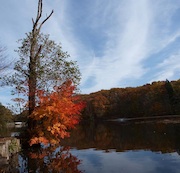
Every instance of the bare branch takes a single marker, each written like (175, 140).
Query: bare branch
(39, 15)
(33, 21)
(39, 51)
(46, 18)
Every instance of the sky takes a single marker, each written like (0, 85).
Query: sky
(116, 43)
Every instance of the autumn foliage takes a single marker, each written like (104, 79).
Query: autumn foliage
(156, 99)
(56, 114)
(56, 160)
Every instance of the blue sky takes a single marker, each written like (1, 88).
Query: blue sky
(117, 43)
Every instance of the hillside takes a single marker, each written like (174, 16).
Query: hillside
(158, 98)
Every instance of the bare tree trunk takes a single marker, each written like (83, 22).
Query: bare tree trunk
(35, 51)
(32, 86)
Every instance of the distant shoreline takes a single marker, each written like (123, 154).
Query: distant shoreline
(147, 118)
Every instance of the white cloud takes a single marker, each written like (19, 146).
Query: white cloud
(111, 40)
(168, 68)
(130, 44)
(130, 30)
(126, 45)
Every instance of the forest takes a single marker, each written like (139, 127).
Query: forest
(5, 115)
(156, 99)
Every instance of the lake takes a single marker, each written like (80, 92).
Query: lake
(109, 147)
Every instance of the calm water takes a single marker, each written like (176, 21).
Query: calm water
(110, 147)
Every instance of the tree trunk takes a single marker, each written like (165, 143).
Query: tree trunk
(32, 78)
(32, 87)
(35, 50)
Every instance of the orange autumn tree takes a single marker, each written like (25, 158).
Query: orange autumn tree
(56, 114)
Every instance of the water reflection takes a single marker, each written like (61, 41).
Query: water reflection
(11, 165)
(161, 137)
(128, 147)
(128, 161)
(110, 147)
(49, 159)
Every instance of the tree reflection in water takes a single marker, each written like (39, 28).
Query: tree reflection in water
(50, 159)
(154, 136)
(133, 146)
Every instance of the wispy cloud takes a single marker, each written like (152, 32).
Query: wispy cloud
(116, 43)
(129, 33)
(168, 68)
(125, 45)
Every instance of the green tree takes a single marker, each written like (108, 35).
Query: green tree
(171, 95)
(42, 64)
(169, 89)
(5, 115)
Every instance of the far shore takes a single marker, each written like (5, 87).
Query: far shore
(153, 118)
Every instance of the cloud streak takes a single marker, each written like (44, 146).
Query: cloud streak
(168, 68)
(116, 43)
(130, 34)
(125, 45)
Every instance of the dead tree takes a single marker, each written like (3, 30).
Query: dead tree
(35, 51)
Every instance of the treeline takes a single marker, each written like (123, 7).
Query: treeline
(158, 98)
(5, 115)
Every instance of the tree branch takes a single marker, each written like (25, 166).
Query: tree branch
(39, 15)
(47, 18)
(39, 51)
